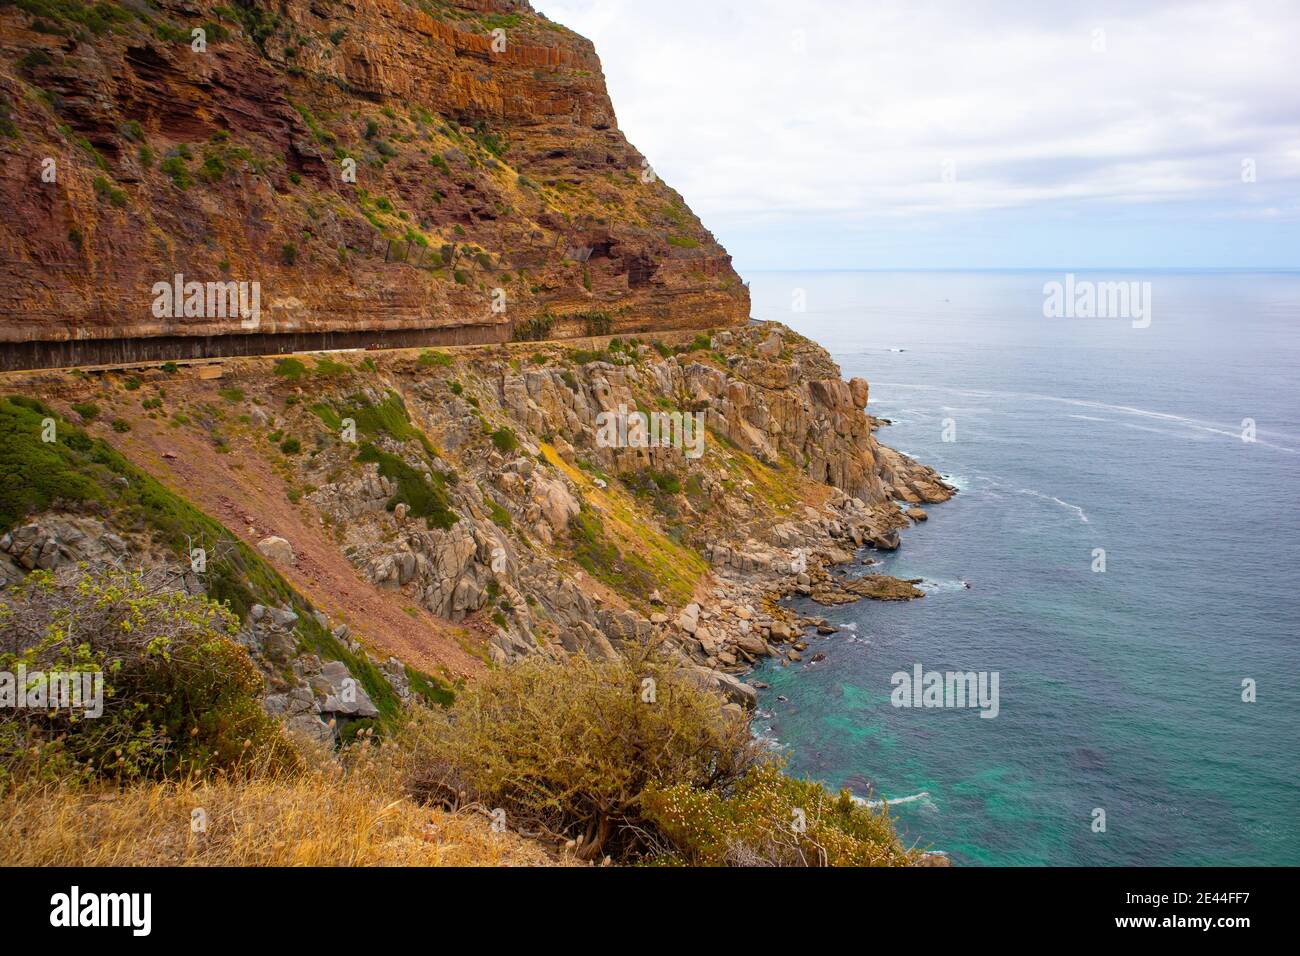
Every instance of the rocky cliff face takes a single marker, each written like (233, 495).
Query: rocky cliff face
(385, 171)
(452, 509)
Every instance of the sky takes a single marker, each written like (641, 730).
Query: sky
(874, 134)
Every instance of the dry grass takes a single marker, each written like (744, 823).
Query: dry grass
(325, 817)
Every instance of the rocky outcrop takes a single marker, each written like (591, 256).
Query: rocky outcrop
(479, 488)
(377, 168)
(58, 541)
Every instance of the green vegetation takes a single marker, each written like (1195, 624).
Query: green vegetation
(433, 691)
(500, 517)
(318, 132)
(597, 323)
(327, 367)
(179, 694)
(435, 359)
(290, 368)
(600, 557)
(749, 824)
(77, 472)
(505, 440)
(105, 189)
(534, 329)
(388, 417)
(72, 16)
(176, 170)
(632, 759)
(423, 498)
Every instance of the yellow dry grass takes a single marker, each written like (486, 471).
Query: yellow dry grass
(325, 817)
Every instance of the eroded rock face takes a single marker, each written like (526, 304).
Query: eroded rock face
(58, 541)
(485, 171)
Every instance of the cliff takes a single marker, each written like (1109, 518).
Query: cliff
(449, 509)
(473, 529)
(387, 173)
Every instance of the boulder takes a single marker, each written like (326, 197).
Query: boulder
(276, 549)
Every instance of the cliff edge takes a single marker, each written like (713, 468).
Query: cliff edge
(374, 172)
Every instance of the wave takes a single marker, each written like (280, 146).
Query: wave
(1064, 504)
(923, 796)
(1158, 431)
(1197, 424)
(932, 584)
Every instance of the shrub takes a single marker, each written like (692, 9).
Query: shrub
(500, 517)
(290, 368)
(121, 425)
(534, 329)
(87, 410)
(434, 359)
(179, 694)
(327, 367)
(597, 323)
(504, 440)
(573, 748)
(291, 446)
(423, 497)
(769, 819)
(105, 189)
(174, 167)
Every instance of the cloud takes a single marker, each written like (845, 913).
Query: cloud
(842, 114)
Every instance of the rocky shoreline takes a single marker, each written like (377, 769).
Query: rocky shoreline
(747, 604)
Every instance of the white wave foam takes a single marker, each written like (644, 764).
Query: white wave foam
(932, 584)
(1192, 423)
(1064, 504)
(923, 796)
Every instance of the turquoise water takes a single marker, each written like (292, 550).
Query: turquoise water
(1118, 690)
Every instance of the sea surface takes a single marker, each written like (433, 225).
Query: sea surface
(1119, 690)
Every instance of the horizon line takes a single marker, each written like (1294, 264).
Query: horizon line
(1242, 269)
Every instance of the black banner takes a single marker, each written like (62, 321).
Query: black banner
(167, 906)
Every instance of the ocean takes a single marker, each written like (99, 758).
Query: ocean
(1120, 690)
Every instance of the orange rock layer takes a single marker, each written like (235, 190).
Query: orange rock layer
(374, 166)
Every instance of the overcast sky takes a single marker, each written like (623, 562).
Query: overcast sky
(882, 134)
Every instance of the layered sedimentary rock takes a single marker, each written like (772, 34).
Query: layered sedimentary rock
(384, 172)
(478, 488)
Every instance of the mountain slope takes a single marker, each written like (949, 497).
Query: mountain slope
(494, 196)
